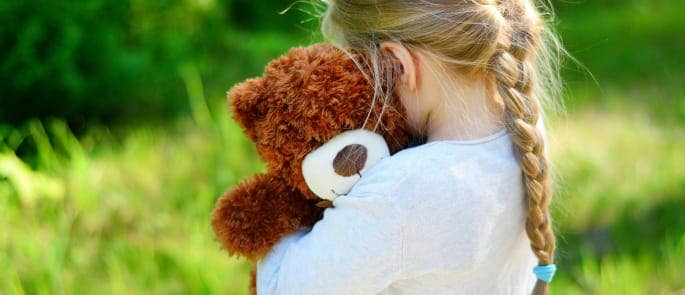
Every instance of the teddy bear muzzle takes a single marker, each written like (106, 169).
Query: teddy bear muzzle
(332, 169)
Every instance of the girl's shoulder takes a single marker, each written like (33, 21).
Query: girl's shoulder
(441, 165)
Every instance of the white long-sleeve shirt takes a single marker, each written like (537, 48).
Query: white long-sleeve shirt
(446, 217)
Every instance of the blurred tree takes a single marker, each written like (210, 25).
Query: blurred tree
(107, 59)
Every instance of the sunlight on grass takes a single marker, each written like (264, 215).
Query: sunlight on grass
(120, 215)
(648, 273)
(614, 160)
(130, 214)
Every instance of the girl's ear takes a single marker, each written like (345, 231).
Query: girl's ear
(247, 102)
(408, 62)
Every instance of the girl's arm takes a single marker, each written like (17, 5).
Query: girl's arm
(355, 249)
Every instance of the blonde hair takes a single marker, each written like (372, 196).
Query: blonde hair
(507, 40)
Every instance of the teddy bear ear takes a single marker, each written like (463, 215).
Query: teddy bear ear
(247, 101)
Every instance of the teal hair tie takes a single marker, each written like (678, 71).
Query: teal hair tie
(545, 272)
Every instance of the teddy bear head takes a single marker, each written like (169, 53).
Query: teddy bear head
(305, 99)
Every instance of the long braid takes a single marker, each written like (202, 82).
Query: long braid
(512, 66)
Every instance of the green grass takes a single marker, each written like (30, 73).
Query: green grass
(130, 213)
(620, 202)
(119, 215)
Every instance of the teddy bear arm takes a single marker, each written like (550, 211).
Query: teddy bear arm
(254, 215)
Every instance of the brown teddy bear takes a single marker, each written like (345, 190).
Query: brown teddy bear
(316, 125)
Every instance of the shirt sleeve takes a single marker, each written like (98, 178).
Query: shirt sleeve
(356, 248)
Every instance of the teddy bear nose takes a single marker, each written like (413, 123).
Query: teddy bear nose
(350, 160)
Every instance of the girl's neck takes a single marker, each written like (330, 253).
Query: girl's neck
(473, 114)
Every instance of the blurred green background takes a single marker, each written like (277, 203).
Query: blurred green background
(115, 142)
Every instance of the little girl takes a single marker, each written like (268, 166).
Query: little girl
(461, 213)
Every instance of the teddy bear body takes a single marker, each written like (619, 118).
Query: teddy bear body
(304, 99)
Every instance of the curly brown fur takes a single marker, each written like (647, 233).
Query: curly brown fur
(252, 216)
(252, 290)
(305, 98)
